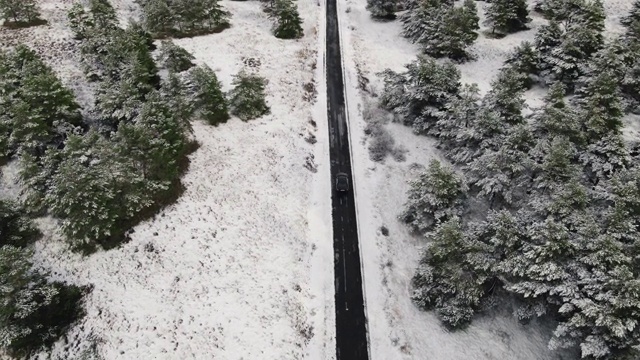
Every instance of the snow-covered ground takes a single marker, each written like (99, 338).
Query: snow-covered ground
(240, 267)
(397, 329)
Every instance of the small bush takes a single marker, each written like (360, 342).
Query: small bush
(247, 99)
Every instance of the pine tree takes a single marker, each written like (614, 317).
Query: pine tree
(288, 23)
(507, 97)
(633, 16)
(174, 58)
(211, 102)
(443, 280)
(33, 312)
(507, 16)
(41, 110)
(19, 11)
(382, 9)
(94, 191)
(558, 118)
(159, 18)
(417, 94)
(247, 98)
(433, 197)
(15, 229)
(524, 60)
(80, 21)
(442, 29)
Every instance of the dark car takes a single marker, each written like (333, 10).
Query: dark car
(342, 182)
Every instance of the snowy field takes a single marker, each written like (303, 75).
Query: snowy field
(240, 267)
(397, 329)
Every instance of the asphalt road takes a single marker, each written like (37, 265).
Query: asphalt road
(351, 328)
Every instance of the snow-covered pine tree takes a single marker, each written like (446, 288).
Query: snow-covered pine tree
(174, 58)
(154, 143)
(41, 110)
(382, 9)
(94, 191)
(159, 18)
(80, 21)
(211, 103)
(507, 16)
(247, 98)
(444, 281)
(524, 60)
(103, 14)
(502, 176)
(34, 312)
(442, 29)
(601, 105)
(459, 114)
(507, 97)
(434, 197)
(633, 16)
(19, 11)
(176, 95)
(556, 117)
(15, 229)
(418, 94)
(288, 23)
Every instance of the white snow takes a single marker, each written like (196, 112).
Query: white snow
(397, 329)
(240, 267)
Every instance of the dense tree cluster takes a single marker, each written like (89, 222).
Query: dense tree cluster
(545, 207)
(34, 312)
(442, 29)
(19, 12)
(183, 18)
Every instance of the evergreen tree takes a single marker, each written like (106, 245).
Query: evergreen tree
(33, 312)
(633, 17)
(15, 229)
(382, 9)
(288, 23)
(557, 117)
(80, 21)
(174, 58)
(442, 29)
(507, 16)
(19, 11)
(433, 197)
(94, 190)
(524, 60)
(506, 97)
(443, 281)
(418, 94)
(159, 18)
(247, 98)
(211, 102)
(38, 110)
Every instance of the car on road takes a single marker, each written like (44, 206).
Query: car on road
(342, 182)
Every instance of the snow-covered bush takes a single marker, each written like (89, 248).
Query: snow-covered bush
(247, 98)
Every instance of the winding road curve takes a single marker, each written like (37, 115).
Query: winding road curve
(351, 323)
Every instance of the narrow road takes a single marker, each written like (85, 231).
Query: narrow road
(351, 328)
